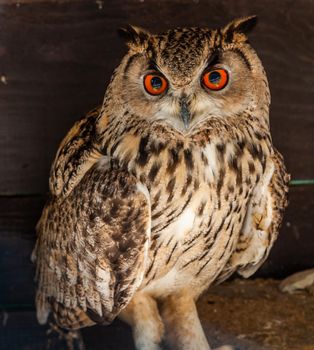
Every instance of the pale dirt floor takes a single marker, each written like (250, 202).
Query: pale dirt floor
(255, 315)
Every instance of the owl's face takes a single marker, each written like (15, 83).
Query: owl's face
(189, 75)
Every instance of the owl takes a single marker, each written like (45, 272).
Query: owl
(173, 184)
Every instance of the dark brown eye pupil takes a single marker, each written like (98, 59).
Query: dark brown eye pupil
(214, 77)
(156, 83)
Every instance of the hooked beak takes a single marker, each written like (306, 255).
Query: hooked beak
(185, 112)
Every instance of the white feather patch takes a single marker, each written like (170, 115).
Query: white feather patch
(211, 169)
(180, 228)
(161, 285)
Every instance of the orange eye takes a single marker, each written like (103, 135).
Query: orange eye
(215, 79)
(155, 84)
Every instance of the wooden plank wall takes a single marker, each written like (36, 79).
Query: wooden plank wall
(56, 58)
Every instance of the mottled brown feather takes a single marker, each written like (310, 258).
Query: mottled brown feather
(97, 238)
(209, 191)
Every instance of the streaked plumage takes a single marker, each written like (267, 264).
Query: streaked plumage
(145, 209)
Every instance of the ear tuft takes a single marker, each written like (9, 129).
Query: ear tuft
(245, 25)
(134, 37)
(239, 28)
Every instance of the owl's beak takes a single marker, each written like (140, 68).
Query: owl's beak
(185, 112)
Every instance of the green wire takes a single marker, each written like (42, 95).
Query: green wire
(300, 182)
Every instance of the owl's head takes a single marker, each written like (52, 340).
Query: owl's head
(186, 76)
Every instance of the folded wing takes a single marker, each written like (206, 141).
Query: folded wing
(262, 221)
(91, 248)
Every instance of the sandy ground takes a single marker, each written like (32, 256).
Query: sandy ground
(255, 315)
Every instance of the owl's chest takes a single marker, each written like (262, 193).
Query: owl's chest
(192, 248)
(197, 214)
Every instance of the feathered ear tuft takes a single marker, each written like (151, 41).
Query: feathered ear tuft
(134, 37)
(238, 29)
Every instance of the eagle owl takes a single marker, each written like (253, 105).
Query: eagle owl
(172, 185)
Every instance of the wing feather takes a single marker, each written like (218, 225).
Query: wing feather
(77, 153)
(262, 222)
(92, 247)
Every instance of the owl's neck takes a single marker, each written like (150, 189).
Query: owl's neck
(141, 147)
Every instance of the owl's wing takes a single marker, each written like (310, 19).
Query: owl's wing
(92, 247)
(77, 153)
(262, 221)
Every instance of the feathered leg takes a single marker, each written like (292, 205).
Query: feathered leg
(143, 316)
(183, 328)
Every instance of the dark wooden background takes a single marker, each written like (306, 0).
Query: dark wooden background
(56, 58)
